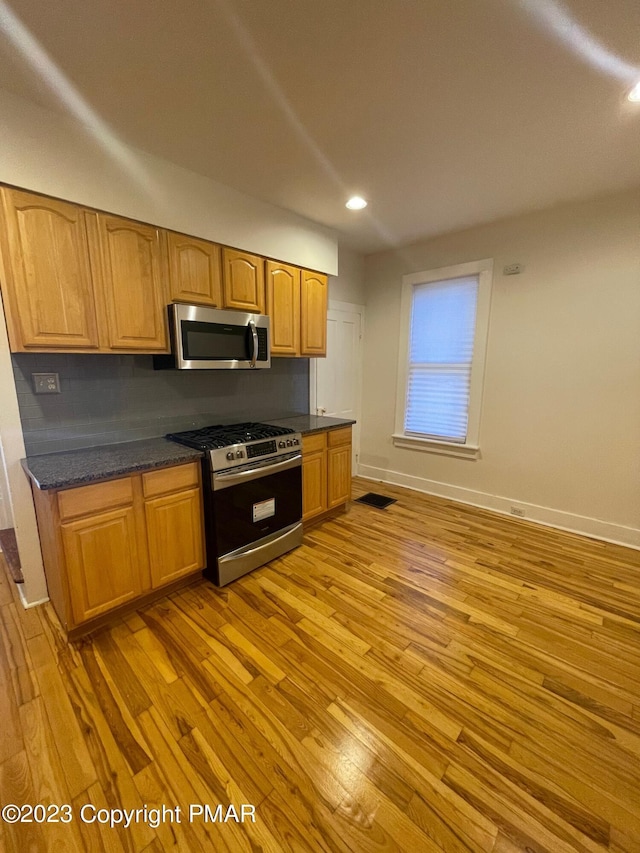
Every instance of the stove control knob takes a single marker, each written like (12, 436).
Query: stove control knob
(281, 444)
(296, 441)
(230, 455)
(239, 454)
(289, 443)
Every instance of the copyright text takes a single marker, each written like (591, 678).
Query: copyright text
(151, 816)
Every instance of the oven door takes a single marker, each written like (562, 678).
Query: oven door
(256, 502)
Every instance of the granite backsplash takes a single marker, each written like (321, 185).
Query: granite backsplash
(107, 399)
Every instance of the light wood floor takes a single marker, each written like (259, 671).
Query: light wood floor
(427, 677)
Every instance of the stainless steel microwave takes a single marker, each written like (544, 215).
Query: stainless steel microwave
(212, 339)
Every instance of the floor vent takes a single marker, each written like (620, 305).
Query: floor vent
(10, 551)
(379, 501)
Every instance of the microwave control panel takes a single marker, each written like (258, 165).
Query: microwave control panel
(262, 344)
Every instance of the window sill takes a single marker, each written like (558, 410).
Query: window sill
(444, 448)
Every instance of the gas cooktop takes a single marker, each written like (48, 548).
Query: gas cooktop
(211, 437)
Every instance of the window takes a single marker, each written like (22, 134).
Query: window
(445, 322)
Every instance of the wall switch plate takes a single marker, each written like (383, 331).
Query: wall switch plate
(46, 383)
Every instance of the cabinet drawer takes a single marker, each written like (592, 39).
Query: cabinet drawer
(312, 443)
(86, 500)
(172, 479)
(337, 437)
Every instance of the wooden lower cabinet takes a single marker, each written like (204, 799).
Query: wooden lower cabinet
(107, 544)
(338, 475)
(102, 562)
(326, 471)
(314, 475)
(174, 535)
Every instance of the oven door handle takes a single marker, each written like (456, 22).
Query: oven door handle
(233, 478)
(254, 335)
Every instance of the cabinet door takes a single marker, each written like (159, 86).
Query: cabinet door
(47, 276)
(283, 307)
(102, 558)
(243, 281)
(194, 270)
(174, 535)
(129, 261)
(338, 475)
(313, 314)
(314, 484)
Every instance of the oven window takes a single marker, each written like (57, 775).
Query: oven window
(249, 511)
(214, 341)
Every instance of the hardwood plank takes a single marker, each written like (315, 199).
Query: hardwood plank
(61, 709)
(429, 677)
(94, 838)
(122, 729)
(17, 789)
(116, 784)
(49, 785)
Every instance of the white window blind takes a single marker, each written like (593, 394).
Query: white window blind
(441, 344)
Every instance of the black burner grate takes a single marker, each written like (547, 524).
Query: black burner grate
(208, 438)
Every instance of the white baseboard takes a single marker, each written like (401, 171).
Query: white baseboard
(28, 604)
(618, 534)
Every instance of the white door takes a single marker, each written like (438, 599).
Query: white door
(337, 379)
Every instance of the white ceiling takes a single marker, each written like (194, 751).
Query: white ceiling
(443, 113)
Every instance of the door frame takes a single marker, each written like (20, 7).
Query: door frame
(352, 308)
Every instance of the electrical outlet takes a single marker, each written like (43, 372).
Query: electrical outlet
(46, 383)
(515, 510)
(512, 269)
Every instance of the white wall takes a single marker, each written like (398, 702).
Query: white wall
(21, 510)
(40, 150)
(560, 431)
(348, 285)
(6, 518)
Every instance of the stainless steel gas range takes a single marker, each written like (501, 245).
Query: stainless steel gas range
(252, 481)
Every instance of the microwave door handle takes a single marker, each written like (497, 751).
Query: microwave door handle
(254, 335)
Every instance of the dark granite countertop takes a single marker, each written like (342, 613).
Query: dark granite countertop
(90, 464)
(79, 467)
(311, 423)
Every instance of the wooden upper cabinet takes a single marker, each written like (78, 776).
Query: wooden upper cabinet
(78, 280)
(243, 281)
(313, 314)
(46, 279)
(283, 307)
(194, 270)
(127, 262)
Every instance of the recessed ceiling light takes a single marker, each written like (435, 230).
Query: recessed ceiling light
(634, 94)
(356, 203)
